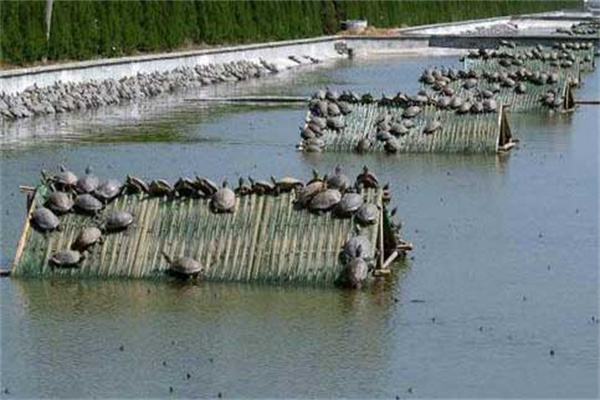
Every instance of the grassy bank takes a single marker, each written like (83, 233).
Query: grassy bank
(89, 29)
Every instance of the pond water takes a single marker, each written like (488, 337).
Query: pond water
(504, 270)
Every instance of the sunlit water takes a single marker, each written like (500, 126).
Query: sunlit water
(505, 268)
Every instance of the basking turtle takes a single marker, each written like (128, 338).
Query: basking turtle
(287, 184)
(408, 123)
(66, 259)
(108, 190)
(306, 132)
(470, 83)
(117, 221)
(160, 188)
(319, 122)
(443, 102)
(335, 123)
(312, 148)
(433, 126)
(339, 180)
(325, 200)
(398, 129)
(134, 185)
(87, 238)
(333, 110)
(367, 214)
(411, 112)
(490, 105)
(60, 202)
(355, 273)
(477, 107)
(206, 186)
(363, 145)
(344, 107)
(456, 102)
(223, 201)
(88, 204)
(358, 246)
(243, 189)
(520, 88)
(464, 108)
(367, 179)
(87, 183)
(65, 179)
(391, 146)
(185, 187)
(383, 136)
(44, 220)
(305, 195)
(183, 267)
(261, 187)
(349, 204)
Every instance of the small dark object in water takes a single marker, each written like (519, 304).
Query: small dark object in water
(170, 389)
(188, 375)
(551, 353)
(121, 347)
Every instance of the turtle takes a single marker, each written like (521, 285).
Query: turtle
(411, 112)
(87, 183)
(60, 202)
(367, 179)
(261, 187)
(88, 204)
(325, 200)
(456, 102)
(286, 184)
(391, 146)
(464, 108)
(349, 204)
(358, 246)
(65, 179)
(206, 186)
(344, 107)
(333, 110)
(135, 185)
(408, 123)
(223, 201)
(520, 88)
(433, 126)
(108, 190)
(243, 189)
(367, 214)
(87, 237)
(321, 123)
(182, 267)
(185, 187)
(306, 132)
(477, 107)
(383, 136)
(117, 221)
(470, 83)
(490, 105)
(44, 220)
(311, 148)
(339, 180)
(335, 123)
(355, 273)
(305, 195)
(443, 102)
(363, 145)
(160, 188)
(66, 259)
(398, 129)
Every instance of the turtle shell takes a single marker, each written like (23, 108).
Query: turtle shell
(411, 112)
(60, 202)
(66, 259)
(358, 246)
(325, 200)
(306, 194)
(86, 238)
(223, 200)
(355, 273)
(349, 204)
(108, 190)
(87, 184)
(44, 219)
(117, 221)
(88, 204)
(367, 214)
(184, 267)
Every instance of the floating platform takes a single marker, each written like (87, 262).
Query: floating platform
(470, 133)
(265, 239)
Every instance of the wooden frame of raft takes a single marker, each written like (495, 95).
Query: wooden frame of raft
(265, 240)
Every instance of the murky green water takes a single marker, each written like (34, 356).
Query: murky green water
(504, 271)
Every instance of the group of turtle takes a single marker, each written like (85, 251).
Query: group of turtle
(325, 112)
(85, 195)
(64, 97)
(581, 28)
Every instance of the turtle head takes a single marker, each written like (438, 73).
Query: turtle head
(365, 169)
(62, 168)
(315, 173)
(338, 169)
(225, 183)
(250, 180)
(273, 180)
(241, 181)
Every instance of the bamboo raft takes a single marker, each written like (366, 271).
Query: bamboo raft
(480, 133)
(264, 240)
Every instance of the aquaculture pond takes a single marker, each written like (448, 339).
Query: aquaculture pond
(499, 298)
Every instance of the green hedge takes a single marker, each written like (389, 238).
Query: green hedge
(91, 28)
